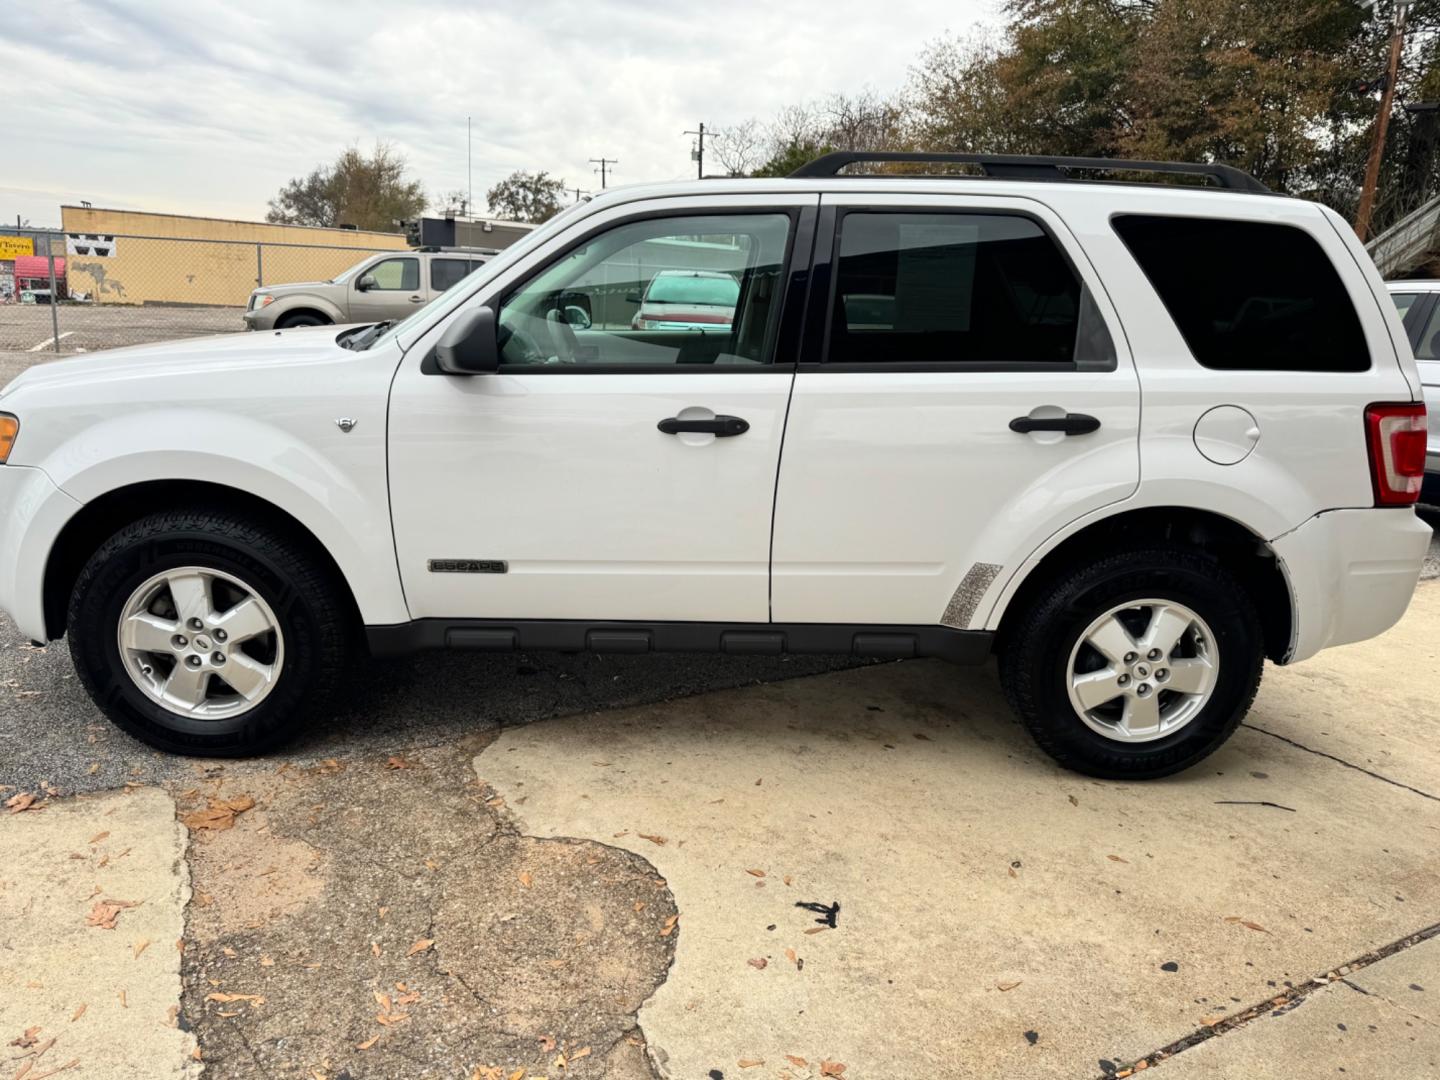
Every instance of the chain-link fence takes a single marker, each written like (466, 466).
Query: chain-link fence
(81, 293)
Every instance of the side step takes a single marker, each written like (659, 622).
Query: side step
(742, 639)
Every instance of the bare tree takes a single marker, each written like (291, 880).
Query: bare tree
(739, 148)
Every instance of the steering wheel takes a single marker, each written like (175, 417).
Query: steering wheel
(518, 347)
(561, 336)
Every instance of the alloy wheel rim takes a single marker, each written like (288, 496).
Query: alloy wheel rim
(1142, 670)
(200, 643)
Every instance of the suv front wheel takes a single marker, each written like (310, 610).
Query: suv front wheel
(1136, 666)
(200, 632)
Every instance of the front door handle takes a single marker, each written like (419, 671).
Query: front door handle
(1070, 424)
(417, 299)
(721, 426)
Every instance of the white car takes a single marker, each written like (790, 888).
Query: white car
(1133, 438)
(1419, 306)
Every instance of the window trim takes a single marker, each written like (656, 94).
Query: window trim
(1340, 278)
(820, 320)
(798, 244)
(1415, 327)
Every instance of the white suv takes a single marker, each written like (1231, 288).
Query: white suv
(1133, 438)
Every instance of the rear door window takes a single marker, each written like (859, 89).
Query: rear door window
(957, 289)
(446, 273)
(1248, 295)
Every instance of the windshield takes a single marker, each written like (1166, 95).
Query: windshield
(340, 279)
(458, 295)
(720, 289)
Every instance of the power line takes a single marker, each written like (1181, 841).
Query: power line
(603, 162)
(699, 152)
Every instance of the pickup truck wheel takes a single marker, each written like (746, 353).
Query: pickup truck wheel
(200, 632)
(289, 322)
(1136, 666)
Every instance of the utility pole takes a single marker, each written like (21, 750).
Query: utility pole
(578, 192)
(603, 162)
(699, 153)
(469, 169)
(1382, 125)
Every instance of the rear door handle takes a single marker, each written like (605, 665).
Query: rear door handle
(1071, 424)
(721, 426)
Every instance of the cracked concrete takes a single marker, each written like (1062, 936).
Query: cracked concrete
(104, 999)
(1381, 1021)
(964, 863)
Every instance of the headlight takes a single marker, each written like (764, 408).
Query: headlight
(9, 428)
(261, 301)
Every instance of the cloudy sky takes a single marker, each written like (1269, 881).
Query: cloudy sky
(208, 107)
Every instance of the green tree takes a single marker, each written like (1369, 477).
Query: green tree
(367, 191)
(527, 196)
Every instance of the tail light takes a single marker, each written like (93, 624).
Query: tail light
(1396, 436)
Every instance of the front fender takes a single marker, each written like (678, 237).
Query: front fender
(283, 305)
(334, 484)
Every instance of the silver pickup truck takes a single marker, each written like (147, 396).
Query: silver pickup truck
(389, 285)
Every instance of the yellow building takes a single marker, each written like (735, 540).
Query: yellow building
(135, 257)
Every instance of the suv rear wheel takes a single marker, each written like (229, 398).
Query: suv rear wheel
(1136, 666)
(200, 632)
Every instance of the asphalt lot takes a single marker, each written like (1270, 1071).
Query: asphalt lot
(28, 328)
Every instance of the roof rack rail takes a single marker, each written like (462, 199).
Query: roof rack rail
(1024, 167)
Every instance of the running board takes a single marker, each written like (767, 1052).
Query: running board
(740, 639)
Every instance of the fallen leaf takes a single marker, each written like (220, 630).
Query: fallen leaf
(584, 1051)
(787, 879)
(653, 839)
(141, 946)
(394, 1018)
(105, 912)
(755, 873)
(831, 1068)
(750, 1063)
(266, 961)
(420, 946)
(408, 999)
(1117, 858)
(669, 927)
(817, 929)
(798, 1062)
(639, 906)
(231, 953)
(397, 762)
(27, 1039)
(172, 1015)
(383, 1000)
(79, 1013)
(1004, 986)
(547, 1043)
(518, 1074)
(526, 878)
(24, 801)
(1246, 923)
(255, 1000)
(98, 837)
(790, 955)
(759, 963)
(218, 815)
(1211, 1021)
(375, 948)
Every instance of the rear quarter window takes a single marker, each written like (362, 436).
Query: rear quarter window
(1248, 295)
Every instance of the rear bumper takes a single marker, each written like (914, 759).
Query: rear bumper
(1351, 575)
(32, 513)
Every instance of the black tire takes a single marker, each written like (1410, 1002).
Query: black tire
(309, 603)
(290, 322)
(1036, 650)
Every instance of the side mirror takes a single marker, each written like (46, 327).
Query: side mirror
(366, 282)
(469, 345)
(633, 298)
